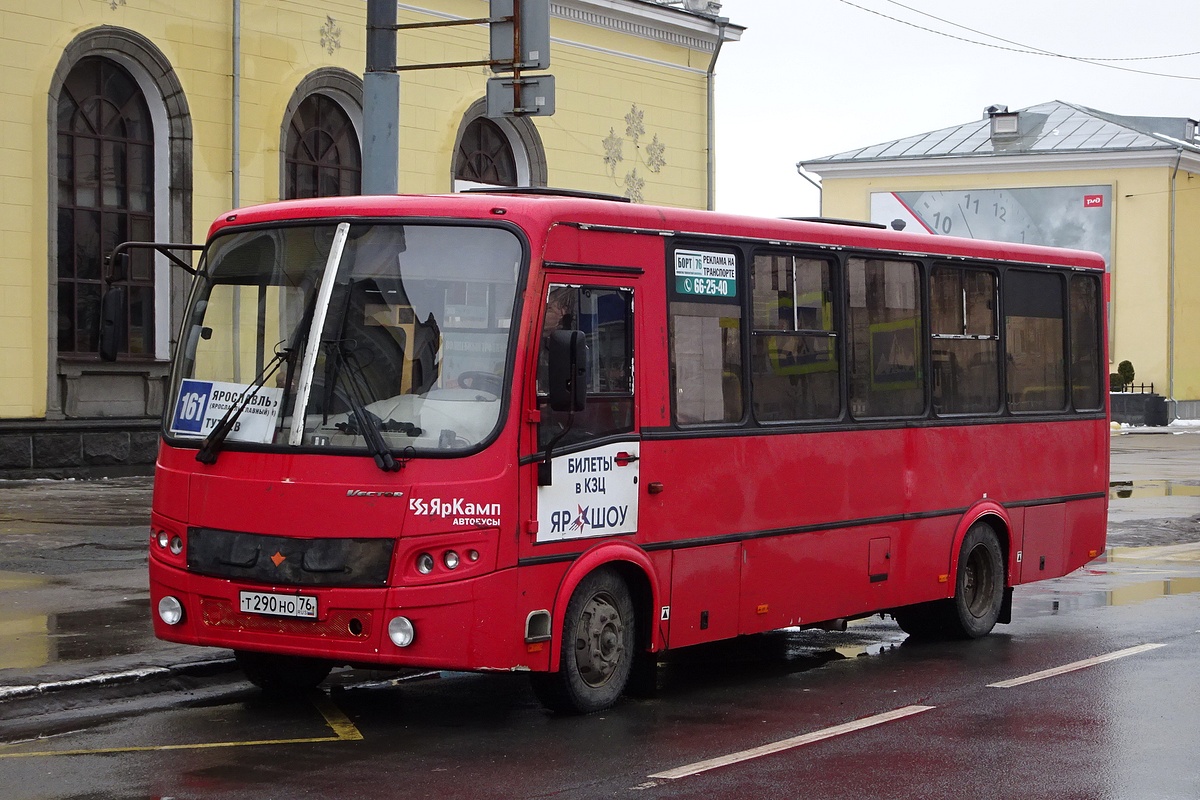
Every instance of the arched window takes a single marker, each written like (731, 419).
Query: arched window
(485, 156)
(323, 155)
(105, 197)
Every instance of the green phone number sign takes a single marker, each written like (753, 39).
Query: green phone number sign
(705, 274)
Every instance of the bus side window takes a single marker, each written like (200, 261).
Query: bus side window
(962, 322)
(1085, 343)
(605, 315)
(886, 375)
(706, 362)
(794, 357)
(1034, 328)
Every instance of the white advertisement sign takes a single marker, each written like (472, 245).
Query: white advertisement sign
(202, 404)
(706, 274)
(593, 493)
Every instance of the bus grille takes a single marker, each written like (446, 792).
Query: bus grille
(340, 624)
(287, 560)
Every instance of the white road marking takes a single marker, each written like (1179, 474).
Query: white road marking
(1076, 665)
(788, 744)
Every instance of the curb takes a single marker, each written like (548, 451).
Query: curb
(123, 679)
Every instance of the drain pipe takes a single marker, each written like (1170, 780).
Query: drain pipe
(1171, 288)
(236, 143)
(722, 22)
(235, 168)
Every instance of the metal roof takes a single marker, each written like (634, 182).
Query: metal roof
(1054, 127)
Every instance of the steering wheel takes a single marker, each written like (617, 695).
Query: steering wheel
(488, 382)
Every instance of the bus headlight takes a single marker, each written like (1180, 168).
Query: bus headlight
(176, 546)
(163, 538)
(424, 563)
(170, 610)
(450, 559)
(401, 631)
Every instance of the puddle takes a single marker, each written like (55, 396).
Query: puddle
(1150, 590)
(877, 648)
(1124, 490)
(1065, 599)
(32, 639)
(14, 581)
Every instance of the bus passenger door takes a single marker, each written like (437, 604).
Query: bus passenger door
(589, 485)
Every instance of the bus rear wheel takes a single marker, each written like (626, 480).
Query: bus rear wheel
(280, 674)
(979, 585)
(597, 648)
(978, 594)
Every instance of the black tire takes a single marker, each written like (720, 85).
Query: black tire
(924, 620)
(596, 649)
(979, 585)
(978, 594)
(279, 674)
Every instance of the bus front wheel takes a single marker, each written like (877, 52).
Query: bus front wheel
(596, 648)
(279, 674)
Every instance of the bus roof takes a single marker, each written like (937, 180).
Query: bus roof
(534, 211)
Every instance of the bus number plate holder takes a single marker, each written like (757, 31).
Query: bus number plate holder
(271, 604)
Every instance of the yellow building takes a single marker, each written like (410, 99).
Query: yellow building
(145, 119)
(1064, 175)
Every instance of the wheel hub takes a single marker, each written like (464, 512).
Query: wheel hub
(598, 649)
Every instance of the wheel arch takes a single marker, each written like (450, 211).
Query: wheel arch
(997, 518)
(633, 565)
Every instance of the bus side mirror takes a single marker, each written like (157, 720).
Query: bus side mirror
(568, 371)
(112, 322)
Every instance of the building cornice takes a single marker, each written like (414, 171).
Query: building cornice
(1000, 164)
(650, 21)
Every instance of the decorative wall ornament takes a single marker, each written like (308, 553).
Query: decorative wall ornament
(653, 158)
(613, 145)
(331, 35)
(634, 186)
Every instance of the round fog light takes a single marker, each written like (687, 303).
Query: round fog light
(424, 563)
(450, 559)
(170, 610)
(401, 632)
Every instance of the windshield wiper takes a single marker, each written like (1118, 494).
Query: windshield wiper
(215, 440)
(368, 425)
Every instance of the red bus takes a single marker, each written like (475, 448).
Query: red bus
(562, 434)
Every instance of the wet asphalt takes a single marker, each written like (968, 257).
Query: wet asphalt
(74, 600)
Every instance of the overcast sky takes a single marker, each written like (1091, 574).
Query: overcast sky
(812, 78)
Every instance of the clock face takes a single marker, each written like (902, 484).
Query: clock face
(976, 214)
(1079, 217)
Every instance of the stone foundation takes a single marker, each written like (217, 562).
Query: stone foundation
(77, 448)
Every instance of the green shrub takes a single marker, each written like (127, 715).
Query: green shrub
(1125, 370)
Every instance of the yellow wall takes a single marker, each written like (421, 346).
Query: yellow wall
(1187, 285)
(1139, 261)
(281, 44)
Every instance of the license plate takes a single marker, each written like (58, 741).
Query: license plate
(279, 605)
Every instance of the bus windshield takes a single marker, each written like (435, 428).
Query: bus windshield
(379, 329)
